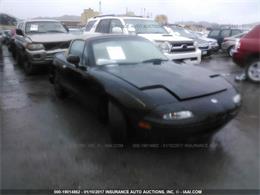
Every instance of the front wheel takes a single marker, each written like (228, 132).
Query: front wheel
(28, 68)
(253, 71)
(231, 51)
(59, 90)
(19, 59)
(117, 124)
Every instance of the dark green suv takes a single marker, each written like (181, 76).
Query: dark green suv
(220, 34)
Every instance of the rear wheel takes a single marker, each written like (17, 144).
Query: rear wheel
(28, 67)
(117, 124)
(18, 59)
(253, 71)
(207, 139)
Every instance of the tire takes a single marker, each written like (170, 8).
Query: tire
(253, 71)
(18, 59)
(13, 52)
(59, 90)
(51, 75)
(28, 68)
(117, 124)
(231, 51)
(207, 139)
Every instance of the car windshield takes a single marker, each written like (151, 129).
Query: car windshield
(126, 51)
(183, 32)
(44, 27)
(146, 26)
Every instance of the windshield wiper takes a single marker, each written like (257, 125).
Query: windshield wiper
(155, 60)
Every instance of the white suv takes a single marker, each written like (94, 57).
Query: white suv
(174, 47)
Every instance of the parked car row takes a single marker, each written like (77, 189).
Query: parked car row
(174, 47)
(35, 42)
(127, 80)
(206, 45)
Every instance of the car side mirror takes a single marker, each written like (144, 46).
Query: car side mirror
(19, 32)
(117, 30)
(73, 60)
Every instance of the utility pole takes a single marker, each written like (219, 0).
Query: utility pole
(100, 9)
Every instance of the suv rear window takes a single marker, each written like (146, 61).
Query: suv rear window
(235, 32)
(225, 33)
(214, 33)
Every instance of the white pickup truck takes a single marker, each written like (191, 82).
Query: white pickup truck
(174, 47)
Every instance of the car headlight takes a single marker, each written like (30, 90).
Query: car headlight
(178, 115)
(196, 44)
(237, 45)
(237, 99)
(165, 47)
(35, 46)
(203, 45)
(214, 43)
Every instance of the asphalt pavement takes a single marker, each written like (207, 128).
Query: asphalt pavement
(48, 143)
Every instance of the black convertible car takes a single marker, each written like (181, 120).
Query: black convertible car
(138, 91)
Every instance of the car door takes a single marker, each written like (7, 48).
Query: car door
(79, 79)
(70, 73)
(88, 88)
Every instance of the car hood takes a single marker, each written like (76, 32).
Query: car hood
(209, 39)
(51, 37)
(182, 81)
(200, 41)
(164, 37)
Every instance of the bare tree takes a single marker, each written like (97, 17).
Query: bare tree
(162, 19)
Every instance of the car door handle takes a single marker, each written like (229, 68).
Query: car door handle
(64, 66)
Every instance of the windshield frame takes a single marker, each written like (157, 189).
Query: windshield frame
(40, 22)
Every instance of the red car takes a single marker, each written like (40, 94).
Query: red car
(247, 54)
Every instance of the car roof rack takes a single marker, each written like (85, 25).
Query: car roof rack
(119, 15)
(104, 15)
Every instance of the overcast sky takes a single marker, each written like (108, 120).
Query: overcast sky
(220, 11)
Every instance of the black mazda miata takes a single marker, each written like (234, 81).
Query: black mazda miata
(130, 84)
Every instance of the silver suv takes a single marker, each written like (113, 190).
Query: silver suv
(174, 47)
(37, 41)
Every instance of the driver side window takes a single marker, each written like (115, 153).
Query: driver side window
(76, 48)
(115, 23)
